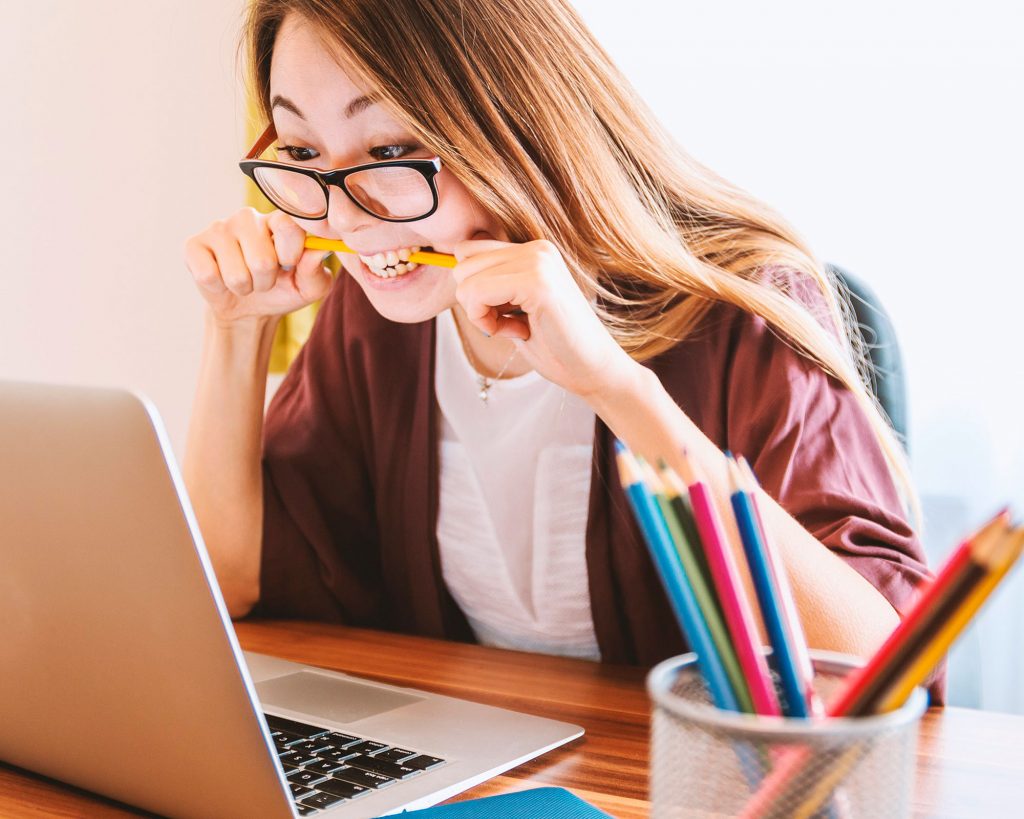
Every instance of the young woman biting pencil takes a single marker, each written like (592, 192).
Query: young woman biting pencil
(439, 458)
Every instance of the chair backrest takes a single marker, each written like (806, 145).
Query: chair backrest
(876, 328)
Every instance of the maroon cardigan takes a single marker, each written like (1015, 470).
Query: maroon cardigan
(350, 472)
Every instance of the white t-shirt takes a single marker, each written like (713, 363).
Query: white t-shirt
(514, 496)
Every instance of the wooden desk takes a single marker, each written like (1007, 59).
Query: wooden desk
(970, 763)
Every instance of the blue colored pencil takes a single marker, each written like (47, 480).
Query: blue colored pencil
(784, 654)
(680, 594)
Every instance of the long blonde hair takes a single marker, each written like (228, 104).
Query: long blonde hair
(528, 111)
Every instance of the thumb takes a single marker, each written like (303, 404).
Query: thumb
(313, 276)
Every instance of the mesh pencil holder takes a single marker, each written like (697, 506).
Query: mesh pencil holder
(708, 762)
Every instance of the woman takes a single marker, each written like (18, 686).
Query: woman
(438, 458)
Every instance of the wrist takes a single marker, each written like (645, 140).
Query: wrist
(249, 328)
(623, 382)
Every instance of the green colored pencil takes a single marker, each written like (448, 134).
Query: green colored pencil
(701, 590)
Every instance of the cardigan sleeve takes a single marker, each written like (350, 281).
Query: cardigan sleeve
(320, 557)
(814, 450)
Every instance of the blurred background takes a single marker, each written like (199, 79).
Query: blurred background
(889, 134)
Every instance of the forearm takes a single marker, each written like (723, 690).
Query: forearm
(839, 608)
(222, 458)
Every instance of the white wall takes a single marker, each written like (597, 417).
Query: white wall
(889, 134)
(119, 135)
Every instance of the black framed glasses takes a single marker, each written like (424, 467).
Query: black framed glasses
(395, 190)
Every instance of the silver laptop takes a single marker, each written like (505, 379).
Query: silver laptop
(120, 671)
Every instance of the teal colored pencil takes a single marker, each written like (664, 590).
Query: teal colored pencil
(666, 493)
(677, 588)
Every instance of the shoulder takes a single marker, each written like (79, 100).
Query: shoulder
(735, 369)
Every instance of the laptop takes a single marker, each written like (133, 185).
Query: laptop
(120, 671)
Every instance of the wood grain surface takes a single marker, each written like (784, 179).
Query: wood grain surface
(970, 763)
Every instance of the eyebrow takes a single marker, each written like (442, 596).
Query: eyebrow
(357, 106)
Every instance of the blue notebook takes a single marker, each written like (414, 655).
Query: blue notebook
(536, 803)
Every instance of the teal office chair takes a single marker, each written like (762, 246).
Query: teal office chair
(887, 376)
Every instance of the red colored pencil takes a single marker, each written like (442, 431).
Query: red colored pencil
(862, 688)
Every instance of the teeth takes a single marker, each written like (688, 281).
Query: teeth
(391, 263)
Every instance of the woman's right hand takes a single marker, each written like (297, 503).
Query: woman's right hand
(254, 265)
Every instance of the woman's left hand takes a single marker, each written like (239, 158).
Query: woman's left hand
(558, 332)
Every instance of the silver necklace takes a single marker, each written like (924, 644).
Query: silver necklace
(484, 383)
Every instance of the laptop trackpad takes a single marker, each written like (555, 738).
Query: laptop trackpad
(331, 698)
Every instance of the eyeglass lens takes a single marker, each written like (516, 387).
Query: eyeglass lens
(389, 192)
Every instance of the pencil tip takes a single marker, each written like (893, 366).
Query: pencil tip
(619, 447)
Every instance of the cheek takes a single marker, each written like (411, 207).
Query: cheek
(457, 217)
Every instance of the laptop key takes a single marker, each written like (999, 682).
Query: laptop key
(368, 746)
(339, 740)
(382, 766)
(295, 759)
(394, 754)
(298, 791)
(292, 726)
(324, 766)
(305, 810)
(322, 800)
(339, 787)
(423, 762)
(367, 779)
(336, 754)
(283, 738)
(309, 746)
(300, 776)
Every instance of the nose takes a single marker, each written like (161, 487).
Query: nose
(343, 215)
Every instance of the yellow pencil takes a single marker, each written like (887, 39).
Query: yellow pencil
(1003, 557)
(420, 257)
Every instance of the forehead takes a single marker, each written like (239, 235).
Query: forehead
(304, 69)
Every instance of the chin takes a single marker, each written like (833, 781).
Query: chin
(410, 298)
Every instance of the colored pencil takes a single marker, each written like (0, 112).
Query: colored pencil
(677, 588)
(731, 595)
(783, 656)
(666, 494)
(1004, 556)
(790, 616)
(996, 547)
(420, 257)
(863, 688)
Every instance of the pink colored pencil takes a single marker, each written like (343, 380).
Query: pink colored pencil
(726, 576)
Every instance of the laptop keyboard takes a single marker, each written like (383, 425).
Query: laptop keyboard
(324, 767)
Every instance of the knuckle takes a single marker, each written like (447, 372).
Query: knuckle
(218, 227)
(545, 247)
(264, 266)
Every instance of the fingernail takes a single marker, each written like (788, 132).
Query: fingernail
(288, 267)
(486, 333)
(327, 255)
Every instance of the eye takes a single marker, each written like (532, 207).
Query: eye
(297, 154)
(384, 152)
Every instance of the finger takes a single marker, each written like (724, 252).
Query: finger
(313, 279)
(481, 242)
(202, 264)
(233, 269)
(257, 249)
(504, 288)
(512, 326)
(289, 238)
(479, 262)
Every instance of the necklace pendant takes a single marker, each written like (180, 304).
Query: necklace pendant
(485, 386)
